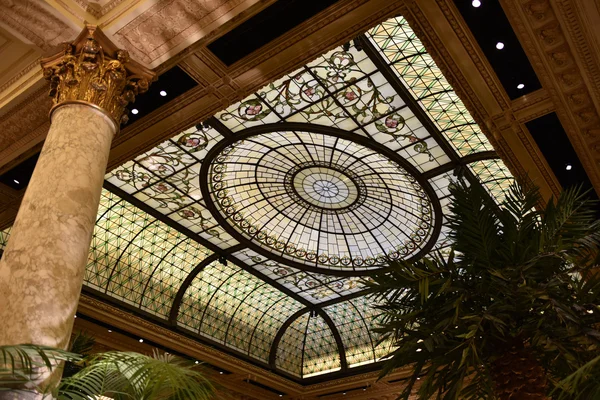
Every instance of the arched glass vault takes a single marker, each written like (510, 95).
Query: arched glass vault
(305, 187)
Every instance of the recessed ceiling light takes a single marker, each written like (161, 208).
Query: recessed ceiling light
(197, 362)
(163, 93)
(520, 86)
(16, 181)
(75, 316)
(499, 45)
(141, 340)
(569, 167)
(476, 3)
(109, 331)
(220, 372)
(134, 111)
(419, 350)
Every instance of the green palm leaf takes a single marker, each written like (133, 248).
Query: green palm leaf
(520, 281)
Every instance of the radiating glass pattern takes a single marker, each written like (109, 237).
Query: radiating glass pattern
(321, 200)
(257, 223)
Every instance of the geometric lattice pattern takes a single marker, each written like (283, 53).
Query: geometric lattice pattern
(137, 259)
(308, 347)
(407, 56)
(230, 306)
(494, 176)
(315, 178)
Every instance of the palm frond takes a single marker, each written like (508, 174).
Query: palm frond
(22, 366)
(125, 375)
(82, 343)
(522, 282)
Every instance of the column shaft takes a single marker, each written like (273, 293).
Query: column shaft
(42, 268)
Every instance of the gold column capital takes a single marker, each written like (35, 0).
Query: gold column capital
(92, 70)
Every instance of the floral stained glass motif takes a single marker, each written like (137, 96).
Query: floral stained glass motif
(407, 56)
(314, 287)
(333, 186)
(342, 89)
(166, 178)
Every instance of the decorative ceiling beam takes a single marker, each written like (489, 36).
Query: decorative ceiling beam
(554, 39)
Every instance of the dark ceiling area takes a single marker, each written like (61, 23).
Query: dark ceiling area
(171, 84)
(19, 176)
(265, 27)
(552, 140)
(495, 36)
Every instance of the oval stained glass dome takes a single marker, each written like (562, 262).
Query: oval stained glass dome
(320, 200)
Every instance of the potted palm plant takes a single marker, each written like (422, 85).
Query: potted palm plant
(511, 312)
(114, 375)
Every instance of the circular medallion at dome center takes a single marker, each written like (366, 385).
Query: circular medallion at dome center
(320, 200)
(325, 187)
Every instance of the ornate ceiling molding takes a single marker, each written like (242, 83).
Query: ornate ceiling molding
(452, 46)
(561, 57)
(36, 22)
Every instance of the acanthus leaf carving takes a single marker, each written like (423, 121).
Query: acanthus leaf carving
(92, 70)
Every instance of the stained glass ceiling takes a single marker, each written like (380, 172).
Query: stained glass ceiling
(303, 188)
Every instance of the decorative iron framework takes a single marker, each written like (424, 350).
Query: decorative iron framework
(303, 187)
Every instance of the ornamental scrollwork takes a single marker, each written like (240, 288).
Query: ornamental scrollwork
(94, 71)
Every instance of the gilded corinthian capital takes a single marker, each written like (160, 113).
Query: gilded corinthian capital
(94, 71)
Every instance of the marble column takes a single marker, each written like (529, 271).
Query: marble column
(41, 271)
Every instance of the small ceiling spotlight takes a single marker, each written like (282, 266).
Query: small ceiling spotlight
(141, 340)
(196, 362)
(499, 45)
(16, 181)
(569, 167)
(220, 372)
(109, 331)
(520, 86)
(163, 93)
(134, 111)
(476, 3)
